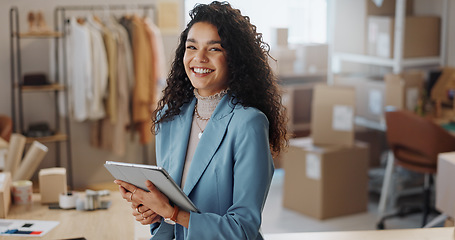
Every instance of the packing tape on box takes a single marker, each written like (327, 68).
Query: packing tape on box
(67, 200)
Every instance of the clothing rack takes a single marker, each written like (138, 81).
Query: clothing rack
(59, 26)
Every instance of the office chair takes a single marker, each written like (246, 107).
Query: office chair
(6, 127)
(415, 143)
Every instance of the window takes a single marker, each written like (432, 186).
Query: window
(306, 20)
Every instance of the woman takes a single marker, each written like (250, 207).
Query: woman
(216, 127)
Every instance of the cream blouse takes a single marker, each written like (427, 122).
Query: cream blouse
(205, 106)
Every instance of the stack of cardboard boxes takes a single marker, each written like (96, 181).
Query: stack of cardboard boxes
(405, 90)
(401, 91)
(421, 32)
(327, 175)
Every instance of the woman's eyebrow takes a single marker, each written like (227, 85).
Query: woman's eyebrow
(211, 42)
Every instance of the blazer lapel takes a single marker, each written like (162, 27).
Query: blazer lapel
(209, 143)
(180, 134)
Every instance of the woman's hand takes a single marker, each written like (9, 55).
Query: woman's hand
(144, 215)
(154, 200)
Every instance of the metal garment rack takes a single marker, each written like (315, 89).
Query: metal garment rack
(60, 20)
(18, 88)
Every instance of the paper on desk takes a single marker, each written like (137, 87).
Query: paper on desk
(25, 228)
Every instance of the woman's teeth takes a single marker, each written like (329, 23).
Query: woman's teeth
(202, 70)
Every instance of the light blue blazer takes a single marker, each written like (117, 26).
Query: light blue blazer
(229, 176)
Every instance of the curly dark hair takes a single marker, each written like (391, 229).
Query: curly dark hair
(251, 80)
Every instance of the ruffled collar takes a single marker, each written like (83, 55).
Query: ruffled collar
(206, 105)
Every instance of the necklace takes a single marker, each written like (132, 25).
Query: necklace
(198, 117)
(199, 135)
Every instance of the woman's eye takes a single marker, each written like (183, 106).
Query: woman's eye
(190, 47)
(215, 49)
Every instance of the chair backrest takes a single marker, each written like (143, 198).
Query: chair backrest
(6, 127)
(417, 141)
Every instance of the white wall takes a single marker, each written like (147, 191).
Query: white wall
(87, 161)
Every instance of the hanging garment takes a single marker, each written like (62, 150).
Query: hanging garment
(79, 68)
(158, 58)
(157, 61)
(99, 75)
(142, 68)
(106, 134)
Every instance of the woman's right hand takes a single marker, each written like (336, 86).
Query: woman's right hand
(144, 215)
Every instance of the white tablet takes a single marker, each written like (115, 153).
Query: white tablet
(138, 174)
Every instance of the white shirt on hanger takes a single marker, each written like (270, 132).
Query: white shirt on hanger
(79, 68)
(99, 73)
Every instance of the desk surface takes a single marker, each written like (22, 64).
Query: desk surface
(446, 233)
(114, 223)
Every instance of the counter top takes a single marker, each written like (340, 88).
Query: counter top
(445, 233)
(113, 223)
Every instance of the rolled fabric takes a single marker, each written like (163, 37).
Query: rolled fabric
(15, 151)
(31, 161)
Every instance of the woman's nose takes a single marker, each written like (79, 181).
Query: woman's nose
(201, 57)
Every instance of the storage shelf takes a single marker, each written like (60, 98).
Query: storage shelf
(360, 121)
(380, 61)
(397, 62)
(43, 88)
(58, 137)
(57, 87)
(49, 34)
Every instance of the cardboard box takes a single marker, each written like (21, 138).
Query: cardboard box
(421, 36)
(52, 183)
(3, 151)
(332, 116)
(369, 94)
(449, 222)
(279, 37)
(445, 192)
(5, 193)
(445, 83)
(311, 58)
(387, 7)
(405, 90)
(325, 181)
(377, 143)
(285, 58)
(297, 100)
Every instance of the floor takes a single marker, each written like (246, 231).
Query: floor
(277, 219)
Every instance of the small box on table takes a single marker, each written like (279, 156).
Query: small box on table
(5, 193)
(52, 183)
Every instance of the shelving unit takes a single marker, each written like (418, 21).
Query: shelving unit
(398, 63)
(56, 86)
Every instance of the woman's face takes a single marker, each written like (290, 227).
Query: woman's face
(205, 59)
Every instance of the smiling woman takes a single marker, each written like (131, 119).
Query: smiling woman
(217, 126)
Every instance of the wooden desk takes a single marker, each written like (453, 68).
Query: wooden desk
(113, 223)
(446, 233)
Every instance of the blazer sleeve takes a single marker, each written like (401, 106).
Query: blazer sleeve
(252, 175)
(161, 230)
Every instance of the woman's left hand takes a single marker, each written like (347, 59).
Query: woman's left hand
(155, 200)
